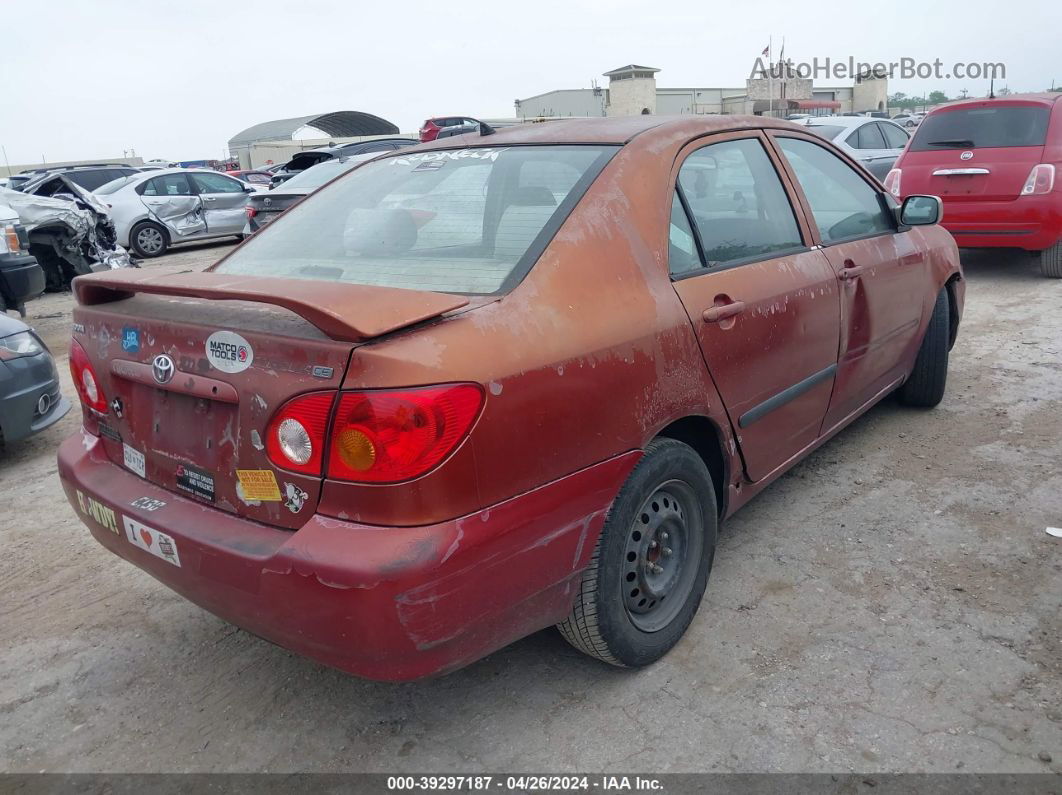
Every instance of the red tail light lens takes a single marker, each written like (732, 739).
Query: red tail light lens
(892, 182)
(391, 436)
(251, 212)
(1040, 180)
(86, 381)
(295, 437)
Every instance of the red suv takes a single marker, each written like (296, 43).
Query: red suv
(993, 162)
(431, 128)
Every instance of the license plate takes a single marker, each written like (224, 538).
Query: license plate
(134, 460)
(151, 540)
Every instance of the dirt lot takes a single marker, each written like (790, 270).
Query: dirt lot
(891, 604)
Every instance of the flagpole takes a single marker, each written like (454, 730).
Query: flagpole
(770, 76)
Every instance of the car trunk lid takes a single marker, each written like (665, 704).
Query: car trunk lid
(239, 348)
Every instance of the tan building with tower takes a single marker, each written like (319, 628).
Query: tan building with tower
(633, 89)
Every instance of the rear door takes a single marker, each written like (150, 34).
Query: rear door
(871, 149)
(224, 199)
(172, 201)
(980, 151)
(763, 303)
(883, 273)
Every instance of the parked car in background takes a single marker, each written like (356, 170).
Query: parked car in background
(21, 276)
(908, 120)
(88, 177)
(995, 164)
(311, 157)
(429, 131)
(520, 381)
(16, 181)
(252, 177)
(876, 143)
(264, 207)
(155, 210)
(30, 399)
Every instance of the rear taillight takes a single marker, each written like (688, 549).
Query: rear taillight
(892, 182)
(86, 381)
(295, 437)
(391, 436)
(1040, 180)
(251, 212)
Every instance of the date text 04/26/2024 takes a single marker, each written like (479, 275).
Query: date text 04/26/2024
(524, 783)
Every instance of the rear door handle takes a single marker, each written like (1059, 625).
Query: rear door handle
(851, 271)
(717, 313)
(209, 198)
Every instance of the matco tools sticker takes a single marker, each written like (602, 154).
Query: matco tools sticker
(229, 352)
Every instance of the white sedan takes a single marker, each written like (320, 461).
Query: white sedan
(157, 209)
(876, 143)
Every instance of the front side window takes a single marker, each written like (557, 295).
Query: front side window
(843, 204)
(168, 185)
(738, 204)
(455, 220)
(215, 183)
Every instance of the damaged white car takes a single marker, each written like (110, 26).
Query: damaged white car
(69, 230)
(155, 210)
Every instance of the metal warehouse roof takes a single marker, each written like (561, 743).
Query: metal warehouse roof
(339, 123)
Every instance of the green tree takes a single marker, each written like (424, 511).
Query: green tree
(936, 97)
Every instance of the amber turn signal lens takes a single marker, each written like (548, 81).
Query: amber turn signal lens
(356, 449)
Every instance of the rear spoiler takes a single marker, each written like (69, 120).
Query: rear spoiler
(345, 312)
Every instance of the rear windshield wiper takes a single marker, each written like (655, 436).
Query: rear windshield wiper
(953, 142)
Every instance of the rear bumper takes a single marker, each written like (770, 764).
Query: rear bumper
(21, 279)
(1029, 222)
(384, 603)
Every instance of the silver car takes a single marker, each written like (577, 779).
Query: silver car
(876, 143)
(156, 209)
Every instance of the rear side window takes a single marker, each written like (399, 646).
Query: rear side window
(455, 220)
(740, 209)
(867, 137)
(983, 128)
(843, 204)
(169, 185)
(895, 137)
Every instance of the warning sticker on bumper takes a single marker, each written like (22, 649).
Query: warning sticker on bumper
(151, 540)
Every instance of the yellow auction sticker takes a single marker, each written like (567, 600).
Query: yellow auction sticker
(258, 484)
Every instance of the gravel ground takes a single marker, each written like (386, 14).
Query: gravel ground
(892, 604)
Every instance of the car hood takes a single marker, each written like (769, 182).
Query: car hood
(10, 325)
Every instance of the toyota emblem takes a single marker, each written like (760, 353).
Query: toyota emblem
(966, 156)
(162, 369)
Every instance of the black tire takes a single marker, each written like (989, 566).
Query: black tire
(925, 386)
(670, 496)
(155, 240)
(1051, 261)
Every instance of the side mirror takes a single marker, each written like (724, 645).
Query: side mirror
(249, 189)
(921, 211)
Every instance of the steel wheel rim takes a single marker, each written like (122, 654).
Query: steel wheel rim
(662, 555)
(149, 240)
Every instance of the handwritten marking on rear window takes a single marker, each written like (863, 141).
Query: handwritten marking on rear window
(446, 154)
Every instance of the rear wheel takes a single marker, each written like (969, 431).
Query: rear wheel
(148, 239)
(651, 564)
(1051, 261)
(925, 386)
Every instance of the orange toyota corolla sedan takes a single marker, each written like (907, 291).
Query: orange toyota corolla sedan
(499, 382)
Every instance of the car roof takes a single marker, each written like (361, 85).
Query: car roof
(1045, 98)
(839, 121)
(610, 130)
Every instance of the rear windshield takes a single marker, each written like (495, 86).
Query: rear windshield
(983, 128)
(114, 185)
(827, 131)
(316, 176)
(458, 220)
